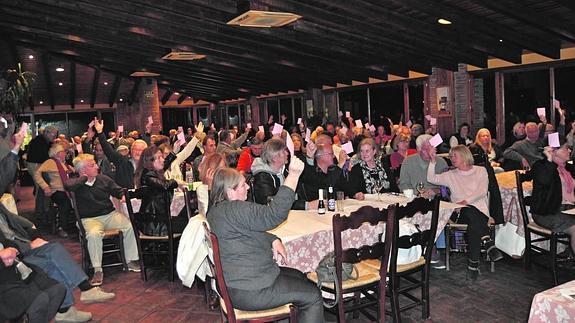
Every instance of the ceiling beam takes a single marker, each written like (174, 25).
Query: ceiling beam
(532, 17)
(72, 84)
(470, 23)
(45, 58)
(95, 84)
(182, 98)
(166, 96)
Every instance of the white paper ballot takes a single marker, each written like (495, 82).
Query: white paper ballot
(24, 129)
(120, 128)
(289, 145)
(347, 147)
(428, 117)
(556, 104)
(436, 140)
(278, 128)
(408, 123)
(298, 120)
(181, 137)
(307, 135)
(554, 140)
(180, 129)
(432, 121)
(4, 122)
(150, 120)
(347, 114)
(261, 128)
(366, 125)
(541, 112)
(358, 123)
(372, 128)
(249, 125)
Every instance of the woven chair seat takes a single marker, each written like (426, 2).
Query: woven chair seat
(375, 264)
(147, 237)
(250, 315)
(539, 229)
(111, 233)
(366, 275)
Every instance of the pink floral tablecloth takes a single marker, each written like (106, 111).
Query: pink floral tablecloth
(308, 237)
(178, 203)
(554, 305)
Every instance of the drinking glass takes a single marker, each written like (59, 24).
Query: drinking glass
(339, 197)
(420, 188)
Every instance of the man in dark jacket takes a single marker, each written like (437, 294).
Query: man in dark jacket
(125, 165)
(36, 155)
(20, 234)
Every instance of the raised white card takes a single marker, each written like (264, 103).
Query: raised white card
(436, 140)
(347, 114)
(120, 128)
(554, 140)
(289, 145)
(249, 125)
(278, 128)
(150, 120)
(372, 128)
(307, 135)
(261, 128)
(347, 147)
(358, 123)
(541, 112)
(432, 121)
(556, 104)
(180, 129)
(408, 123)
(181, 137)
(298, 120)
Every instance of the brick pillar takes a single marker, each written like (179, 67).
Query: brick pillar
(147, 103)
(441, 78)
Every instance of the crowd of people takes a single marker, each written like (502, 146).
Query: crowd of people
(250, 179)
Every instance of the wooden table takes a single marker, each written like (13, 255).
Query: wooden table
(308, 237)
(554, 305)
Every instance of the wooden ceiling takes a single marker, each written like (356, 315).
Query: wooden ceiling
(99, 43)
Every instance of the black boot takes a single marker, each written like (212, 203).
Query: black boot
(472, 270)
(492, 252)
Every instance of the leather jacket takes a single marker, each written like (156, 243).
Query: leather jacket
(153, 186)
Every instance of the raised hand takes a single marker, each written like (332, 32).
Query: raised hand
(99, 125)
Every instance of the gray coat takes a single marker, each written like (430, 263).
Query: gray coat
(245, 244)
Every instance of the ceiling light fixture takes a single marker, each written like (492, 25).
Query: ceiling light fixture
(121, 100)
(263, 19)
(182, 56)
(41, 102)
(82, 101)
(442, 21)
(501, 40)
(176, 93)
(60, 69)
(30, 56)
(105, 83)
(60, 83)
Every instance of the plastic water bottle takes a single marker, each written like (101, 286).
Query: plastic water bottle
(190, 179)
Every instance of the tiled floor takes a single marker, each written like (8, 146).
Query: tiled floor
(503, 296)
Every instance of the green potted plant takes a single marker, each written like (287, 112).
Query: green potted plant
(15, 90)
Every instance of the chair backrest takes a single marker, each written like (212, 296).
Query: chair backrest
(191, 199)
(215, 263)
(77, 214)
(139, 220)
(425, 239)
(378, 250)
(523, 200)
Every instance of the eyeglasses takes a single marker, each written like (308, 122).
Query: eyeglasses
(319, 155)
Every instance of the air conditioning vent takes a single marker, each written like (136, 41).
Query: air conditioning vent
(263, 19)
(183, 56)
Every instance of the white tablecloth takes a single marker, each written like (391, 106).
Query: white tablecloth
(178, 203)
(554, 305)
(308, 237)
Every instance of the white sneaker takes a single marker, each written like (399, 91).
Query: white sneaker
(95, 295)
(73, 315)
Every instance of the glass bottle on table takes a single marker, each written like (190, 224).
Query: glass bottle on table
(320, 203)
(330, 199)
(420, 188)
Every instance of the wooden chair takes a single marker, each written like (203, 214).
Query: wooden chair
(369, 288)
(153, 247)
(405, 273)
(191, 199)
(450, 229)
(543, 234)
(228, 312)
(112, 244)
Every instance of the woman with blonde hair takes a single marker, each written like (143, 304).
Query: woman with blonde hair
(469, 185)
(485, 152)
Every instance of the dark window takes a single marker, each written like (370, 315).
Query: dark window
(386, 102)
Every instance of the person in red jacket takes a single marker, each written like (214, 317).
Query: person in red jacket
(248, 155)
